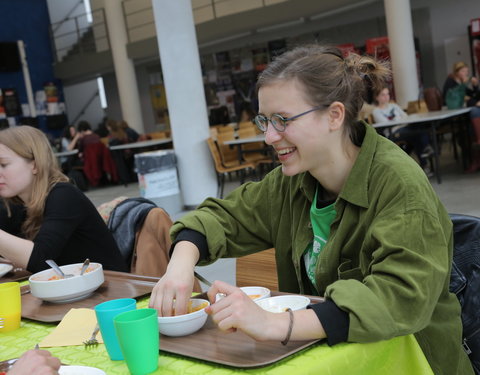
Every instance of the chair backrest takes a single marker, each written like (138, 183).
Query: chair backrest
(433, 98)
(259, 269)
(465, 281)
(212, 146)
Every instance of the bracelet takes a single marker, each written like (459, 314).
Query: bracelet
(290, 327)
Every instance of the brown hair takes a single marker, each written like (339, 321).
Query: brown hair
(116, 130)
(32, 145)
(328, 77)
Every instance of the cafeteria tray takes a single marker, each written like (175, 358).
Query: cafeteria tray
(116, 285)
(232, 349)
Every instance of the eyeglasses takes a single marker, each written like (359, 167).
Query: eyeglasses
(278, 121)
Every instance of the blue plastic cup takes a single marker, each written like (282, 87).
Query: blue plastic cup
(105, 313)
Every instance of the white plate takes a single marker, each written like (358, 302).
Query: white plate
(5, 268)
(80, 370)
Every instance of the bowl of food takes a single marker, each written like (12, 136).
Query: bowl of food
(186, 324)
(256, 292)
(48, 286)
(282, 303)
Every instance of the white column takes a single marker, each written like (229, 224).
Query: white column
(402, 50)
(124, 67)
(187, 106)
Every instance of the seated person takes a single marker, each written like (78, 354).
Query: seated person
(44, 216)
(68, 144)
(132, 135)
(413, 138)
(459, 90)
(350, 215)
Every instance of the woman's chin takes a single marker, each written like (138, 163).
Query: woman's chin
(289, 170)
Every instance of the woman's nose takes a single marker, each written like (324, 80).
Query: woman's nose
(272, 135)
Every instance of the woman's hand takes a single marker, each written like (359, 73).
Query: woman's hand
(174, 289)
(36, 362)
(238, 311)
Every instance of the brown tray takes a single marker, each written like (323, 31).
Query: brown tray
(232, 349)
(116, 285)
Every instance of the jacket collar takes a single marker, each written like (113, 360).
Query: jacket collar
(355, 189)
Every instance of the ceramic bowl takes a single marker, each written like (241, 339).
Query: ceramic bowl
(256, 292)
(182, 325)
(281, 303)
(46, 285)
(80, 370)
(5, 268)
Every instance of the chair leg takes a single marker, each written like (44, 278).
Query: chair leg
(222, 185)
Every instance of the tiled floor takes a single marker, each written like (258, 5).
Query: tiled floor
(459, 192)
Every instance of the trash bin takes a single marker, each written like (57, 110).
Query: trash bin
(157, 179)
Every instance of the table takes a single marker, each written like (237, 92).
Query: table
(141, 144)
(398, 356)
(66, 153)
(434, 118)
(241, 141)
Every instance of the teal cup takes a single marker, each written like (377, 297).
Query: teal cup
(138, 335)
(105, 313)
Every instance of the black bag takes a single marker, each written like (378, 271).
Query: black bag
(78, 179)
(465, 281)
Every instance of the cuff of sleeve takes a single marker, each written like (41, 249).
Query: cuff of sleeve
(335, 321)
(197, 238)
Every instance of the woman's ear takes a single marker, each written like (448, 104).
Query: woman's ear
(336, 115)
(34, 168)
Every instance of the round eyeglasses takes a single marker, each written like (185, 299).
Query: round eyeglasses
(278, 121)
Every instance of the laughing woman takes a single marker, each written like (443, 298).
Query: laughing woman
(351, 217)
(43, 215)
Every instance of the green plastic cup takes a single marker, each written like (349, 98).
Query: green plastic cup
(137, 333)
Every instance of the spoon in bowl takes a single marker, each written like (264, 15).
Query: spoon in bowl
(57, 269)
(85, 266)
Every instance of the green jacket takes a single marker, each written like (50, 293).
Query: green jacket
(388, 258)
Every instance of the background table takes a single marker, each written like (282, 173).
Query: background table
(141, 144)
(435, 118)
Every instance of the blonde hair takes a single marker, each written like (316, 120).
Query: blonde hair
(327, 76)
(32, 145)
(458, 66)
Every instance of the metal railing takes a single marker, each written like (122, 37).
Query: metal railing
(76, 35)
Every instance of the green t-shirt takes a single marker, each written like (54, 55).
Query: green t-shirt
(321, 218)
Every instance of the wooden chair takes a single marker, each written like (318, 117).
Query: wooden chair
(157, 135)
(229, 155)
(259, 269)
(222, 170)
(246, 124)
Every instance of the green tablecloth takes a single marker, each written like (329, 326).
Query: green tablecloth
(401, 355)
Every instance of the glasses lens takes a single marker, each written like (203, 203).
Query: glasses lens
(278, 122)
(261, 122)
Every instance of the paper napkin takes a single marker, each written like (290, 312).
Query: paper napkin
(76, 327)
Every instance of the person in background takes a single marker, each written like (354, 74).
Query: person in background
(459, 90)
(35, 362)
(410, 137)
(117, 134)
(68, 144)
(44, 216)
(132, 135)
(351, 217)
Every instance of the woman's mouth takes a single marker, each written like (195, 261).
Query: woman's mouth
(284, 153)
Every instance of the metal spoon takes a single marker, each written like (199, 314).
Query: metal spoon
(85, 266)
(57, 269)
(219, 296)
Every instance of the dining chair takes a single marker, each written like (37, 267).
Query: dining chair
(222, 170)
(157, 135)
(465, 281)
(256, 152)
(228, 154)
(258, 269)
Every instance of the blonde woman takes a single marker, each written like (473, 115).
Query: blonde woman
(44, 216)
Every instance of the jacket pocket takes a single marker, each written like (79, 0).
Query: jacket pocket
(346, 272)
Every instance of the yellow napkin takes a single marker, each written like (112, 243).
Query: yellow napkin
(76, 327)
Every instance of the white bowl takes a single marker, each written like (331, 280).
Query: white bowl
(182, 325)
(69, 289)
(80, 370)
(256, 292)
(5, 268)
(281, 303)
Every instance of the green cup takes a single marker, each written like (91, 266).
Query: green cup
(137, 333)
